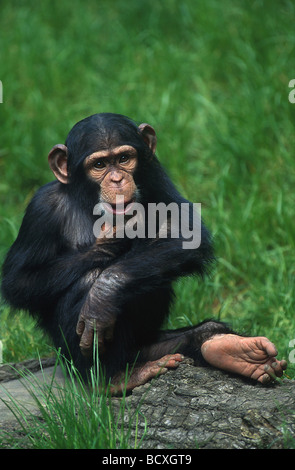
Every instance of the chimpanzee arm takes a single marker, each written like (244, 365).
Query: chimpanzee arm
(43, 263)
(36, 288)
(147, 266)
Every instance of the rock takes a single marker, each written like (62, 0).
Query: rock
(195, 407)
(11, 370)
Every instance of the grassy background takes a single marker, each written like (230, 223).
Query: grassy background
(212, 78)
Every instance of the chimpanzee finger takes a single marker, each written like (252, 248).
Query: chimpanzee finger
(80, 327)
(86, 342)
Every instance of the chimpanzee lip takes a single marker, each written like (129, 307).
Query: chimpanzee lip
(119, 209)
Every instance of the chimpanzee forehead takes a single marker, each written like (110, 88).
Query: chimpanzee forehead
(102, 132)
(110, 153)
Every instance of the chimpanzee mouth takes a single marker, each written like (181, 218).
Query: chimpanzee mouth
(121, 208)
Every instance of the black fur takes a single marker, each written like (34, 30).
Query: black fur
(54, 262)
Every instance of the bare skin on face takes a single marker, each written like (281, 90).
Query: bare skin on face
(113, 170)
(251, 357)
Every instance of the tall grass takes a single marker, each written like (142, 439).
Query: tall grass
(72, 414)
(212, 78)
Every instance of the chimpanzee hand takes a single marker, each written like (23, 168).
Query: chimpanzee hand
(98, 314)
(87, 326)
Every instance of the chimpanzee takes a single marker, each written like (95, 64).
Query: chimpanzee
(79, 284)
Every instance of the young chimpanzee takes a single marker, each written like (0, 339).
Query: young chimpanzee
(118, 288)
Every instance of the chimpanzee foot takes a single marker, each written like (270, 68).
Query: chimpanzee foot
(251, 357)
(142, 374)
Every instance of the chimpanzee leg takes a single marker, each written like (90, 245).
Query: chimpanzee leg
(186, 341)
(168, 351)
(215, 344)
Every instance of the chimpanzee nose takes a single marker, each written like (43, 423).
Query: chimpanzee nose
(116, 177)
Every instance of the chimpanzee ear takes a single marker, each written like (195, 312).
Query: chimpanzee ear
(57, 159)
(149, 136)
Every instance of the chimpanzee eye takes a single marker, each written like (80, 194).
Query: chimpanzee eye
(124, 159)
(99, 164)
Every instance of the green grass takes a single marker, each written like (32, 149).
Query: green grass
(73, 415)
(212, 78)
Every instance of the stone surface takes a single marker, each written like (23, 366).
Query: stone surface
(14, 388)
(194, 407)
(207, 408)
